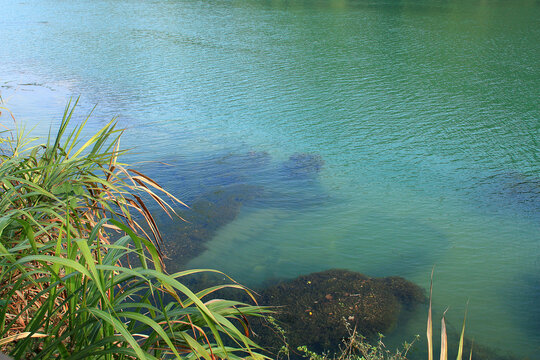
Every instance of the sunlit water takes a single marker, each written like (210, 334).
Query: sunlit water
(426, 114)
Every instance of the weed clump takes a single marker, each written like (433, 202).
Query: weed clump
(313, 308)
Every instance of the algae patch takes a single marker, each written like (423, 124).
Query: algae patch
(313, 309)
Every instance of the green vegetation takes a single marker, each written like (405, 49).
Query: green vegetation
(81, 277)
(357, 348)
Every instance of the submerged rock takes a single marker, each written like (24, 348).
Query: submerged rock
(314, 308)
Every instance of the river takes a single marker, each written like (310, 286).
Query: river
(383, 137)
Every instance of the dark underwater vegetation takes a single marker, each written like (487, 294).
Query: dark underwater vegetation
(510, 190)
(223, 185)
(313, 309)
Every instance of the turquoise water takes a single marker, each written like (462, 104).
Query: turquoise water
(426, 114)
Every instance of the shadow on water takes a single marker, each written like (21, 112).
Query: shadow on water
(216, 187)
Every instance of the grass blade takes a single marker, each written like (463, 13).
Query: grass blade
(444, 339)
(461, 338)
(429, 327)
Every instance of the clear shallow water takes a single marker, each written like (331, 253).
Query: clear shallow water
(426, 114)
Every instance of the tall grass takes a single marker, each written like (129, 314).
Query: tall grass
(80, 278)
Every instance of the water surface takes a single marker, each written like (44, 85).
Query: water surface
(425, 113)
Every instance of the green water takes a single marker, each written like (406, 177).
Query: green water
(426, 114)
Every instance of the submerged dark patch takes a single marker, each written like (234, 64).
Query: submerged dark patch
(294, 178)
(186, 239)
(513, 190)
(217, 187)
(313, 308)
(302, 165)
(522, 299)
(190, 178)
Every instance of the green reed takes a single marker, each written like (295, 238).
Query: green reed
(81, 276)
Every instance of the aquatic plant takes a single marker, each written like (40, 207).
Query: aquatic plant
(357, 347)
(313, 309)
(81, 274)
(185, 240)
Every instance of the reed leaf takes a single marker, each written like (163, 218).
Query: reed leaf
(18, 336)
(444, 338)
(429, 327)
(462, 336)
(69, 290)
